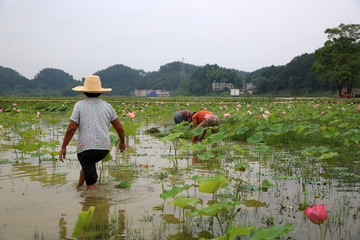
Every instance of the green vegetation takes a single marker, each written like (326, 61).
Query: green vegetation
(268, 162)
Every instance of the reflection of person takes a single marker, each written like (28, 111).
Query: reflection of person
(184, 115)
(92, 117)
(205, 119)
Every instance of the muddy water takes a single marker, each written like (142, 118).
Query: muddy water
(39, 199)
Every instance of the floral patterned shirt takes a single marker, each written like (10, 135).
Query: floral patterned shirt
(93, 117)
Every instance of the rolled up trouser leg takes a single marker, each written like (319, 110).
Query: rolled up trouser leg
(88, 160)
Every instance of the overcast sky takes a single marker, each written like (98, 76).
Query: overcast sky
(84, 36)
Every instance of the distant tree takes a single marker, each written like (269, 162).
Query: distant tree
(339, 59)
(200, 82)
(120, 78)
(53, 82)
(167, 78)
(12, 83)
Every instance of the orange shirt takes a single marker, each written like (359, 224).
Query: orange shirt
(200, 116)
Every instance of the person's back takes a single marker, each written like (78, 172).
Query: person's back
(93, 116)
(204, 119)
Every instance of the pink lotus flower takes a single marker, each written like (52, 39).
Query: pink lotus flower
(226, 114)
(18, 110)
(316, 214)
(15, 104)
(131, 114)
(1, 110)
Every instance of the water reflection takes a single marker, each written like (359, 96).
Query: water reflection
(100, 221)
(38, 173)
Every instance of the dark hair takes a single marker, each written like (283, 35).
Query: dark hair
(92, 95)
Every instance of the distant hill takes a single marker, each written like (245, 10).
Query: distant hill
(181, 78)
(12, 83)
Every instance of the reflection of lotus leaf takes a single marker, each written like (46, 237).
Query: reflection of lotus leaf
(254, 203)
(170, 218)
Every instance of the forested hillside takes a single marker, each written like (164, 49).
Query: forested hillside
(295, 76)
(182, 79)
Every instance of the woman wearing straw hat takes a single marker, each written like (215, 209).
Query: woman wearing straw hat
(92, 117)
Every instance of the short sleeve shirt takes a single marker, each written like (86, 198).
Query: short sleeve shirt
(93, 117)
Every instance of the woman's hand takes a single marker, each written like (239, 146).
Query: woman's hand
(62, 155)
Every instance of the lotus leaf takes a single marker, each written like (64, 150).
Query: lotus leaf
(83, 221)
(184, 202)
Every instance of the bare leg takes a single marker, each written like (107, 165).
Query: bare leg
(81, 179)
(91, 187)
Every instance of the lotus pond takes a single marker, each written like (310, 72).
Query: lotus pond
(253, 179)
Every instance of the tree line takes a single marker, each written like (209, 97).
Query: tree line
(333, 67)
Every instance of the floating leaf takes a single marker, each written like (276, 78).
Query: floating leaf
(52, 144)
(38, 154)
(272, 232)
(206, 155)
(242, 167)
(328, 155)
(83, 221)
(267, 184)
(184, 202)
(6, 161)
(317, 182)
(234, 232)
(29, 133)
(315, 150)
(31, 147)
(254, 203)
(170, 218)
(286, 177)
(124, 184)
(261, 149)
(212, 210)
(174, 191)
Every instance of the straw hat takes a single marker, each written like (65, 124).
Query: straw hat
(92, 84)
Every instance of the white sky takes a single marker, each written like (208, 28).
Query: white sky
(84, 36)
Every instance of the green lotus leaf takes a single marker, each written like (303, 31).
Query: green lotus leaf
(217, 137)
(272, 232)
(211, 185)
(184, 202)
(83, 221)
(267, 184)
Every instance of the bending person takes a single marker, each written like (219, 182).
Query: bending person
(204, 119)
(184, 115)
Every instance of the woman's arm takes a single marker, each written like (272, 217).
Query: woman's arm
(120, 130)
(70, 131)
